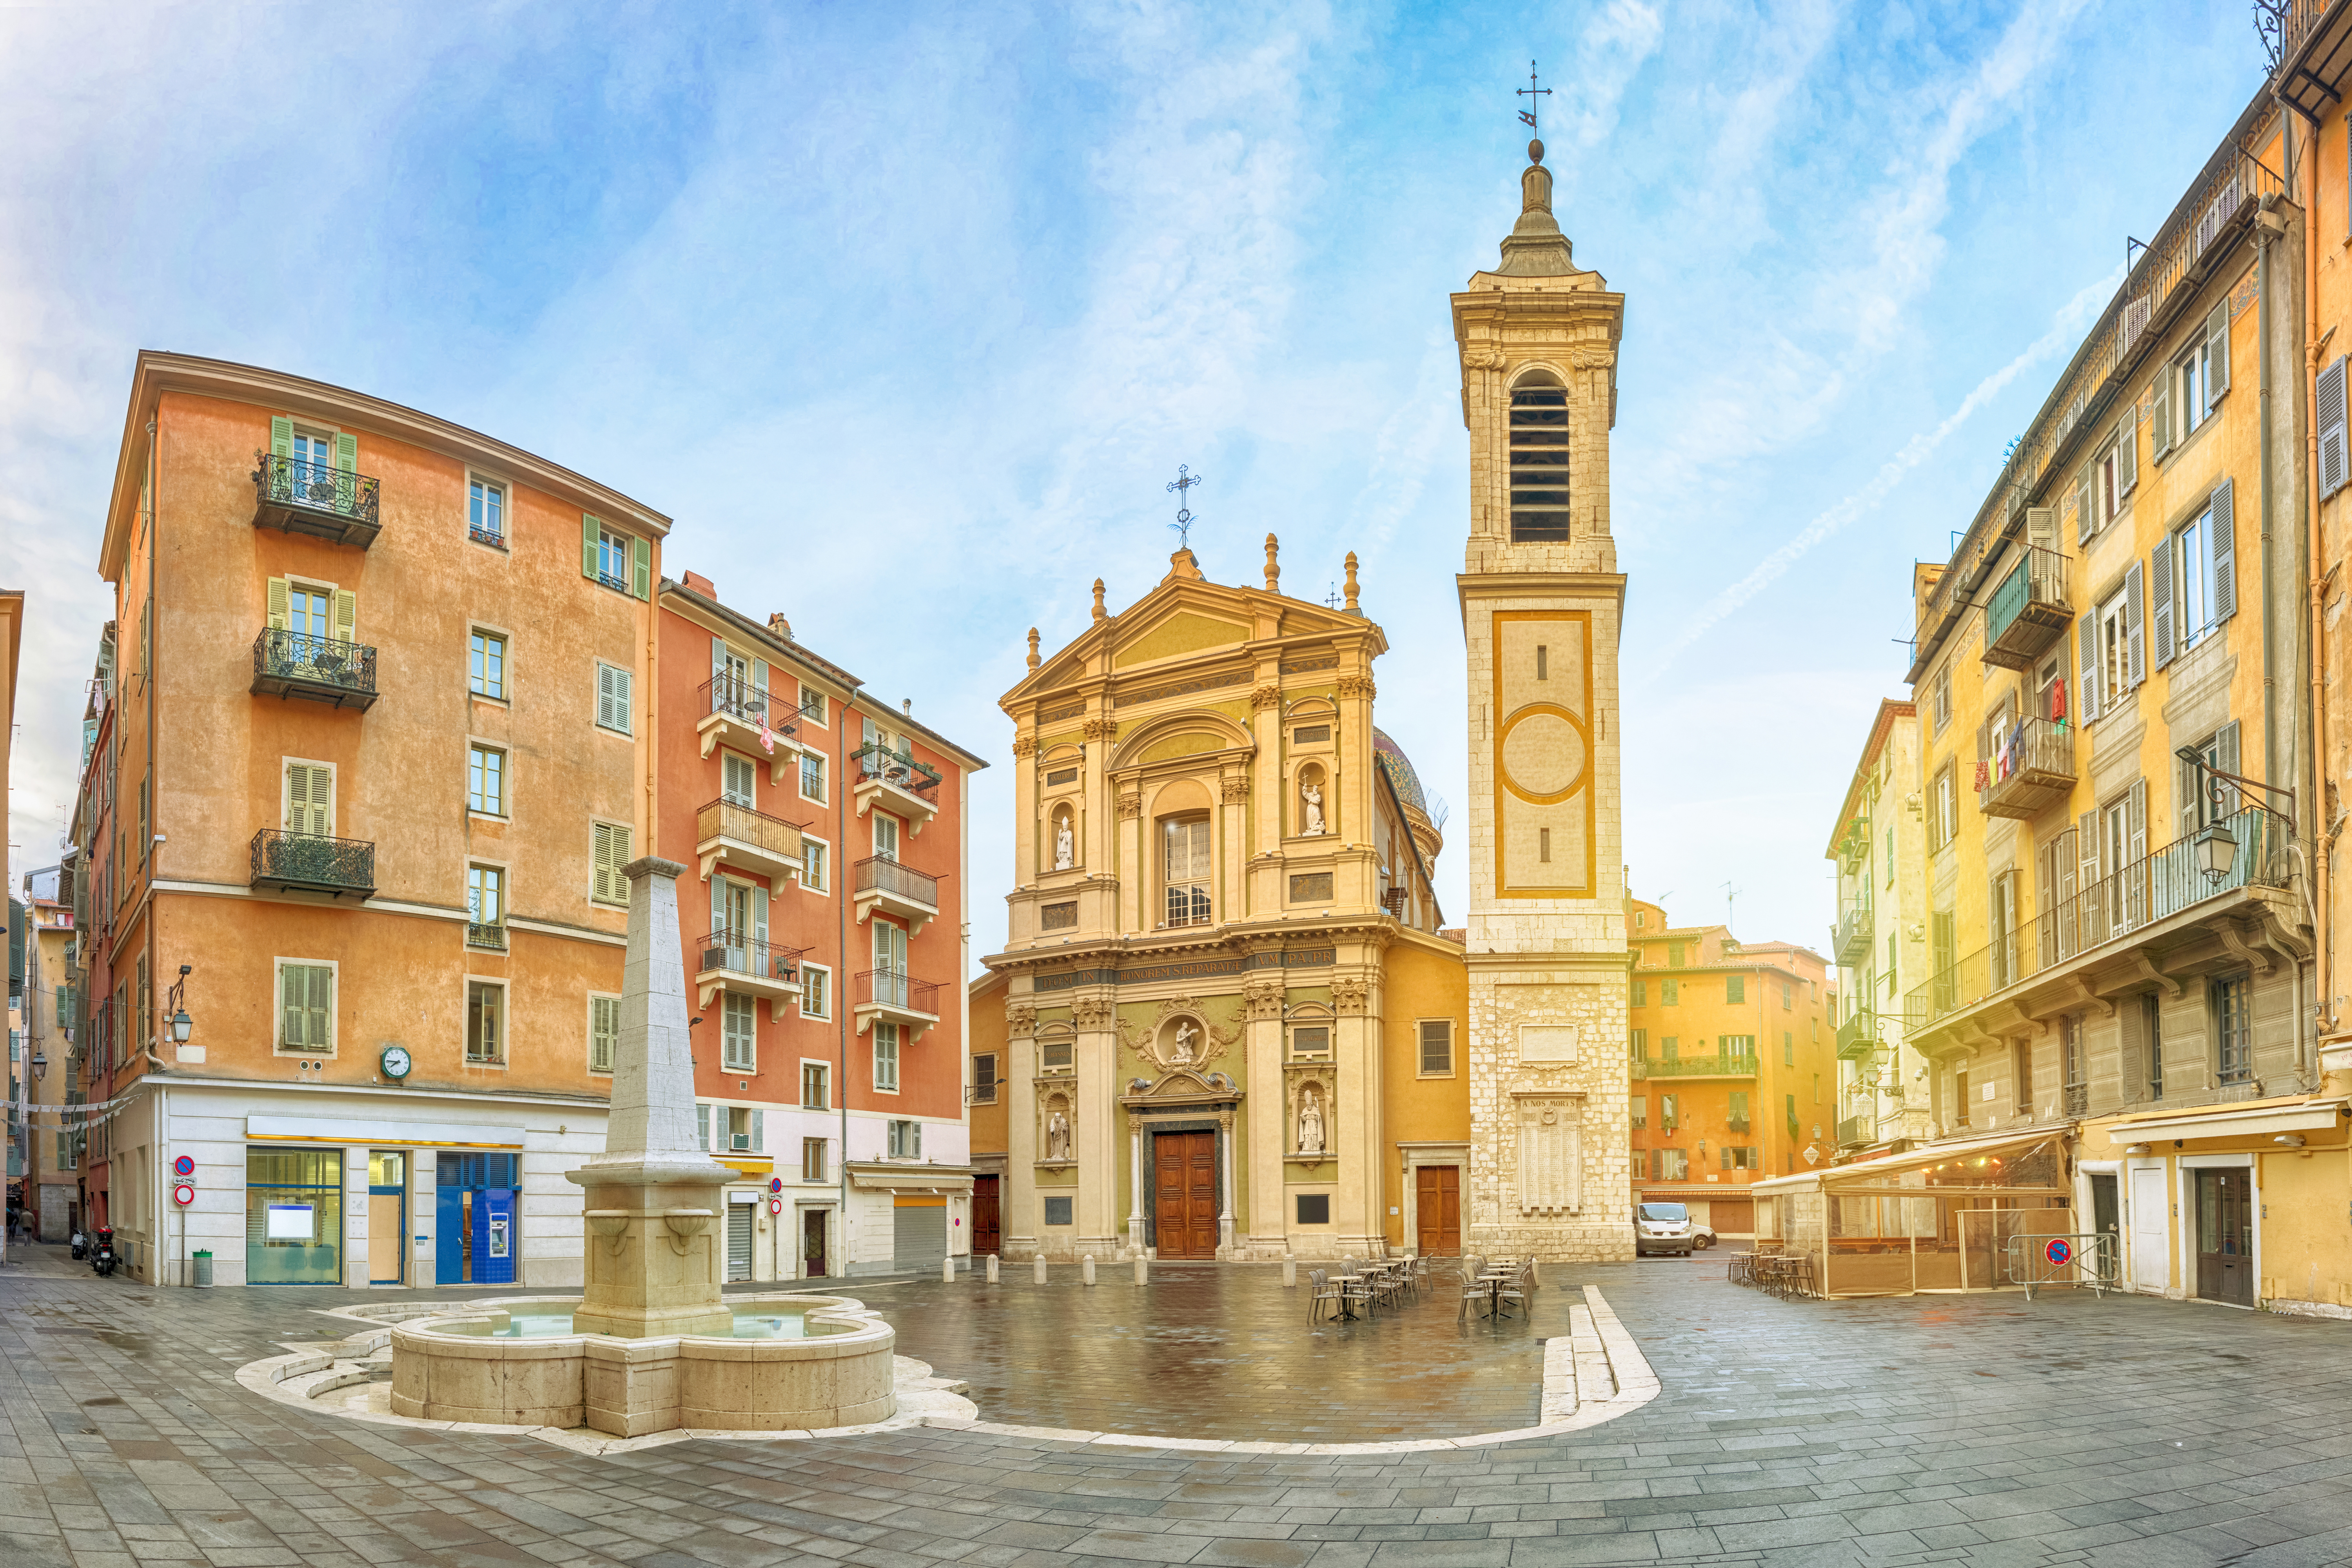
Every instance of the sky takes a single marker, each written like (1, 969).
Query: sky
(906, 314)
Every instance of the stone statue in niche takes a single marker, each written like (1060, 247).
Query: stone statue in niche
(1311, 795)
(1310, 1125)
(1185, 1036)
(1058, 1137)
(1066, 849)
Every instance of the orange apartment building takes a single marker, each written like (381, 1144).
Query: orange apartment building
(1734, 1065)
(825, 951)
(365, 754)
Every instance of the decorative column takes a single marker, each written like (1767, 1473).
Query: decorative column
(1027, 857)
(1269, 1134)
(1225, 1184)
(1232, 867)
(1135, 1228)
(1095, 1098)
(1018, 1220)
(652, 1195)
(1135, 873)
(1355, 1106)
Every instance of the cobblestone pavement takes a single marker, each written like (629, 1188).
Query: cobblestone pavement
(1980, 1430)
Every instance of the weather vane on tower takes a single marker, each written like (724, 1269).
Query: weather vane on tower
(1184, 481)
(1532, 93)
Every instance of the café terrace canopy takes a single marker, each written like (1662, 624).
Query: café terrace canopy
(1937, 1218)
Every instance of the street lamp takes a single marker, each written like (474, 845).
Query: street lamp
(2217, 850)
(176, 1014)
(40, 1063)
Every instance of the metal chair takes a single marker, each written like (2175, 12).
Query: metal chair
(1518, 1292)
(1473, 1289)
(1320, 1290)
(1360, 1289)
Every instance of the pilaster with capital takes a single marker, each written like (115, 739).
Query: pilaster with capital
(1098, 1150)
(1018, 1220)
(1358, 1212)
(1269, 1221)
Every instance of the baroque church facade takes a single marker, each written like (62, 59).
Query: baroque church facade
(1228, 1021)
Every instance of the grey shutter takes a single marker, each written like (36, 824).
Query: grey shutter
(2160, 578)
(2087, 689)
(2227, 744)
(2217, 345)
(759, 1132)
(2134, 632)
(2087, 522)
(760, 914)
(760, 686)
(702, 1126)
(2333, 468)
(2135, 823)
(2127, 450)
(2224, 534)
(2087, 844)
(718, 906)
(2160, 434)
(2184, 775)
(718, 657)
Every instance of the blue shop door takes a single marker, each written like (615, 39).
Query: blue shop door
(449, 1236)
(494, 1238)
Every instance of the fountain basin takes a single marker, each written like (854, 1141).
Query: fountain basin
(796, 1362)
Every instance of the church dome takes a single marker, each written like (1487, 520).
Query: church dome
(1399, 767)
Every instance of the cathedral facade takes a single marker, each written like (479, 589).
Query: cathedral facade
(1228, 1021)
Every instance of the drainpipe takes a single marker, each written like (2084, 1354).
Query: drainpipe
(2325, 1020)
(155, 642)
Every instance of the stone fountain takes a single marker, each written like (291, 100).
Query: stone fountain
(650, 1345)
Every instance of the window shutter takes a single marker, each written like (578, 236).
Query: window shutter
(718, 657)
(2159, 577)
(718, 904)
(293, 991)
(281, 604)
(2042, 529)
(2127, 450)
(605, 695)
(2159, 433)
(347, 611)
(587, 545)
(2217, 345)
(2334, 466)
(347, 453)
(2184, 785)
(760, 683)
(322, 1007)
(2087, 689)
(702, 1126)
(2136, 822)
(759, 1132)
(2224, 532)
(2087, 522)
(760, 914)
(2087, 843)
(645, 561)
(2135, 633)
(281, 437)
(2228, 746)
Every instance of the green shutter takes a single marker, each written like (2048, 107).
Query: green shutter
(347, 453)
(645, 551)
(281, 437)
(281, 604)
(587, 545)
(347, 609)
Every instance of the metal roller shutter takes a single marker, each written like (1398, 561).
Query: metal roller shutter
(920, 1238)
(738, 1241)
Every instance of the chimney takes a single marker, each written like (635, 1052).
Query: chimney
(907, 706)
(780, 626)
(701, 585)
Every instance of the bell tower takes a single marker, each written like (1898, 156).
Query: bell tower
(1541, 603)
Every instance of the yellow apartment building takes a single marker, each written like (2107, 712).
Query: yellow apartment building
(1880, 940)
(43, 1065)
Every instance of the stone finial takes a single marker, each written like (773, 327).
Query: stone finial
(1536, 248)
(1351, 605)
(1033, 661)
(1273, 565)
(1100, 613)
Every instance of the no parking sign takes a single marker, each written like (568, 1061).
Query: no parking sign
(2058, 1252)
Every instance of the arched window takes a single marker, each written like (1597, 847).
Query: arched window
(1539, 435)
(1186, 869)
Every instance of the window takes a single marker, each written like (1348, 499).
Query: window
(1788, 996)
(486, 781)
(621, 561)
(811, 864)
(1960, 1097)
(739, 1033)
(906, 1139)
(1670, 992)
(608, 852)
(2115, 473)
(1738, 1122)
(886, 836)
(1641, 992)
(1312, 1040)
(1314, 1208)
(615, 698)
(1186, 872)
(1674, 955)
(305, 1008)
(487, 661)
(2334, 431)
(1058, 1211)
(2020, 1072)
(1540, 460)
(1741, 1159)
(739, 780)
(604, 1032)
(1669, 1165)
(815, 1084)
(886, 1057)
(485, 1016)
(2233, 1037)
(1671, 1047)
(2152, 1022)
(1640, 1105)
(1742, 1046)
(813, 777)
(309, 804)
(486, 512)
(2191, 389)
(1638, 1042)
(984, 1080)
(1940, 700)
(816, 986)
(1735, 990)
(1437, 1047)
(813, 1160)
(811, 704)
(1669, 1112)
(1943, 809)
(2192, 577)
(2117, 658)
(486, 896)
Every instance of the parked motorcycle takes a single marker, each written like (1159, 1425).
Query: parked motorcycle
(101, 1255)
(81, 1246)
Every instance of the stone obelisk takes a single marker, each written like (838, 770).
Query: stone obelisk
(652, 1195)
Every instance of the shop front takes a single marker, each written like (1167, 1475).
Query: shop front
(907, 1219)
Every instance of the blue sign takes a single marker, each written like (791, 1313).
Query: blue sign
(2058, 1251)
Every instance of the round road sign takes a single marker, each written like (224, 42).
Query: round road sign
(775, 1206)
(185, 1165)
(2058, 1252)
(183, 1193)
(775, 1184)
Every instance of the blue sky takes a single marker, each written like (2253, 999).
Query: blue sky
(909, 313)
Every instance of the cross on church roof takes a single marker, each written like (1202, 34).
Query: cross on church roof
(1532, 93)
(1184, 481)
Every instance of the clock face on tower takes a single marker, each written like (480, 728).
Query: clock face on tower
(395, 1062)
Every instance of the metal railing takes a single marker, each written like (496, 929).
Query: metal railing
(280, 654)
(2026, 755)
(319, 487)
(314, 860)
(2151, 888)
(888, 988)
(1858, 1036)
(1857, 1130)
(875, 760)
(1851, 940)
(735, 697)
(730, 952)
(880, 873)
(489, 536)
(2035, 589)
(1696, 1066)
(730, 819)
(490, 935)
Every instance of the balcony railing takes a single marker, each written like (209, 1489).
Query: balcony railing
(1854, 1130)
(748, 840)
(2028, 611)
(2078, 1099)
(288, 663)
(1852, 937)
(1857, 1037)
(898, 993)
(315, 498)
(2031, 769)
(2152, 888)
(726, 952)
(305, 862)
(735, 697)
(896, 769)
(489, 935)
(1696, 1066)
(880, 873)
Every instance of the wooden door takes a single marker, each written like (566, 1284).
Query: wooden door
(984, 1238)
(812, 1261)
(1184, 1201)
(386, 1222)
(2225, 1269)
(2151, 1233)
(1437, 1208)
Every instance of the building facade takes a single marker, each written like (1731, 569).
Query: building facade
(50, 1192)
(1880, 940)
(827, 832)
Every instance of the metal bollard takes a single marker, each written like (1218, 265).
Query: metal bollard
(947, 1270)
(1087, 1269)
(992, 1269)
(1289, 1271)
(1143, 1270)
(1041, 1268)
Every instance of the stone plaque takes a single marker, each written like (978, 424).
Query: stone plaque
(1546, 1042)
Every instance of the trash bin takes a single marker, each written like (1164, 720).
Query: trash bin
(204, 1267)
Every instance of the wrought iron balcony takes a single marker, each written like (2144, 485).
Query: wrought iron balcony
(489, 935)
(2028, 611)
(1851, 939)
(895, 998)
(899, 890)
(322, 501)
(322, 669)
(313, 863)
(903, 785)
(1857, 1037)
(1696, 1066)
(2031, 769)
(747, 840)
(736, 712)
(738, 961)
(1854, 1130)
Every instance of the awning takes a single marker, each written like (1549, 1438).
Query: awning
(1917, 1158)
(890, 1176)
(2262, 1119)
(382, 1133)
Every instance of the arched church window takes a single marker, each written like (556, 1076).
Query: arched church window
(1539, 444)
(1185, 870)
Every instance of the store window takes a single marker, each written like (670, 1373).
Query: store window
(294, 1216)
